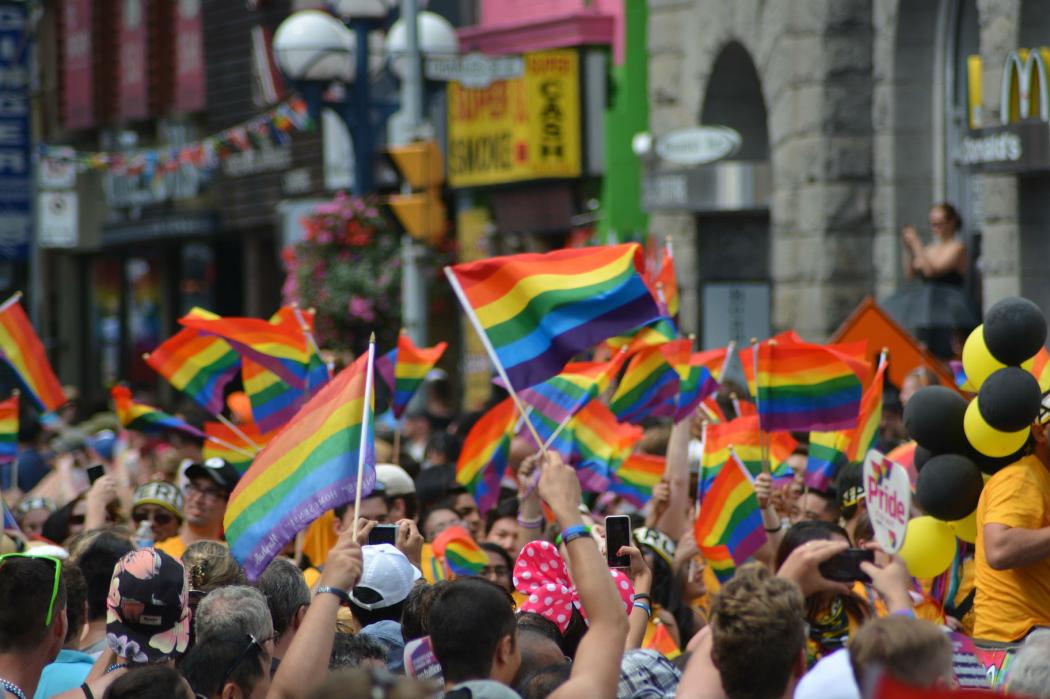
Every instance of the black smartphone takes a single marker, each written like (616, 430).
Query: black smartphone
(383, 534)
(95, 472)
(617, 534)
(845, 566)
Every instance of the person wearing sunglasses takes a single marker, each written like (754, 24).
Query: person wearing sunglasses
(1013, 543)
(160, 504)
(33, 630)
(207, 492)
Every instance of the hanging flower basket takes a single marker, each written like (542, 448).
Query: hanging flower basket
(347, 268)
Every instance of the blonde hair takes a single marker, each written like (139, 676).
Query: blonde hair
(211, 565)
(912, 651)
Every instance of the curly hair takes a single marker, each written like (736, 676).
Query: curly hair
(211, 566)
(757, 621)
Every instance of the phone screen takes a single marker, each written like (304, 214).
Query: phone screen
(383, 534)
(617, 534)
(845, 566)
(95, 472)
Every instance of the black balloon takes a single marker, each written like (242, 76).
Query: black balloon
(1014, 330)
(934, 419)
(921, 456)
(1009, 399)
(949, 487)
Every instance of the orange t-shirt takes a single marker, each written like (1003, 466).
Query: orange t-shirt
(1010, 602)
(173, 546)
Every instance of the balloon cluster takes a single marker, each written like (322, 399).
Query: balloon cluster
(959, 441)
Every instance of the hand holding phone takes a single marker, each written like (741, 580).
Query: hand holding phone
(617, 534)
(383, 534)
(95, 472)
(845, 566)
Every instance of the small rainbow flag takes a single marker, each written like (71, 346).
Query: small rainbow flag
(404, 368)
(713, 359)
(432, 566)
(563, 395)
(21, 348)
(540, 310)
(309, 467)
(634, 478)
(865, 436)
(147, 419)
(827, 454)
(226, 444)
(318, 372)
(743, 435)
(483, 458)
(9, 429)
(280, 347)
(461, 554)
(656, 333)
(962, 382)
(199, 365)
(696, 382)
(1041, 368)
(600, 442)
(666, 283)
(274, 402)
(651, 382)
(658, 638)
(805, 387)
(729, 528)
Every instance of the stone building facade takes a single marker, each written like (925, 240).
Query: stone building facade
(852, 114)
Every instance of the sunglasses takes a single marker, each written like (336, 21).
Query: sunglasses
(252, 643)
(54, 587)
(160, 518)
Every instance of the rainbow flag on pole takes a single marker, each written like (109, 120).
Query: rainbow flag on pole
(805, 387)
(635, 477)
(309, 467)
(563, 395)
(199, 365)
(226, 444)
(651, 382)
(729, 528)
(486, 450)
(274, 402)
(404, 368)
(743, 435)
(147, 419)
(21, 348)
(9, 429)
(696, 382)
(866, 434)
(666, 283)
(599, 444)
(537, 311)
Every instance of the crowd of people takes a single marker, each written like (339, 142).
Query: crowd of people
(118, 582)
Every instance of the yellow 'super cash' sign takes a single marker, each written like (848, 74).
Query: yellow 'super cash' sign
(517, 129)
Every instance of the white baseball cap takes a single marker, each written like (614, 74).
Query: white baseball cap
(395, 480)
(386, 577)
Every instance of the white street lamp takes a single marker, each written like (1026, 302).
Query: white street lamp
(436, 38)
(315, 46)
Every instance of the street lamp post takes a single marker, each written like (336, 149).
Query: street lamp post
(314, 49)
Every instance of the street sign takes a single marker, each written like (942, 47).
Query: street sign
(474, 70)
(698, 145)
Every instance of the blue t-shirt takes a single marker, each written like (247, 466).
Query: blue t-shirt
(69, 671)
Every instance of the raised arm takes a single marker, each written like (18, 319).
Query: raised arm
(596, 669)
(675, 519)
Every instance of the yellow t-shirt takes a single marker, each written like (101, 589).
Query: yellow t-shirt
(1010, 602)
(173, 546)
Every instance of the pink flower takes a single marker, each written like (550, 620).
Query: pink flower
(361, 309)
(143, 564)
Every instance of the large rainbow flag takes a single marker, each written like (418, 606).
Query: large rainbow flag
(308, 468)
(199, 365)
(729, 527)
(404, 368)
(486, 450)
(147, 419)
(634, 478)
(538, 311)
(21, 348)
(9, 429)
(230, 446)
(650, 383)
(805, 387)
(743, 435)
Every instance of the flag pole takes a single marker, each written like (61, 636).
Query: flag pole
(365, 414)
(15, 298)
(310, 337)
(231, 447)
(762, 440)
(730, 348)
(237, 430)
(454, 282)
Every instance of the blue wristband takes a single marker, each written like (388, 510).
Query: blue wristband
(644, 607)
(571, 533)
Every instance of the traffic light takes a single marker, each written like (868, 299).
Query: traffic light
(422, 212)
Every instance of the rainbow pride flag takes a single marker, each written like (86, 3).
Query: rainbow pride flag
(696, 382)
(22, 350)
(656, 333)
(226, 444)
(274, 402)
(483, 458)
(404, 368)
(650, 383)
(563, 395)
(9, 429)
(461, 554)
(199, 365)
(658, 638)
(316, 369)
(9, 521)
(962, 382)
(729, 528)
(599, 444)
(827, 454)
(1041, 368)
(540, 310)
(743, 435)
(280, 347)
(866, 434)
(147, 419)
(805, 387)
(666, 283)
(634, 478)
(309, 467)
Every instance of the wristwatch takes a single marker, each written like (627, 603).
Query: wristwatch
(343, 595)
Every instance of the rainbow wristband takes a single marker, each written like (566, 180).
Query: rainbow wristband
(571, 533)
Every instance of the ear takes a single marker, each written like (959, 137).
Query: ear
(504, 650)
(297, 618)
(61, 626)
(230, 691)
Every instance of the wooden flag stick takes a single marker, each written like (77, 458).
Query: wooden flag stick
(396, 456)
(762, 441)
(365, 414)
(493, 356)
(730, 348)
(310, 337)
(237, 430)
(231, 447)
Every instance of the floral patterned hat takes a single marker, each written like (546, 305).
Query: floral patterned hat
(148, 615)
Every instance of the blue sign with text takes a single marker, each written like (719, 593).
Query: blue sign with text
(16, 217)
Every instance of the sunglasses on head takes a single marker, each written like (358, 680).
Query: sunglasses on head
(161, 518)
(54, 587)
(252, 643)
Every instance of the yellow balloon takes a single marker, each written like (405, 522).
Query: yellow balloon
(978, 361)
(988, 440)
(929, 547)
(966, 529)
